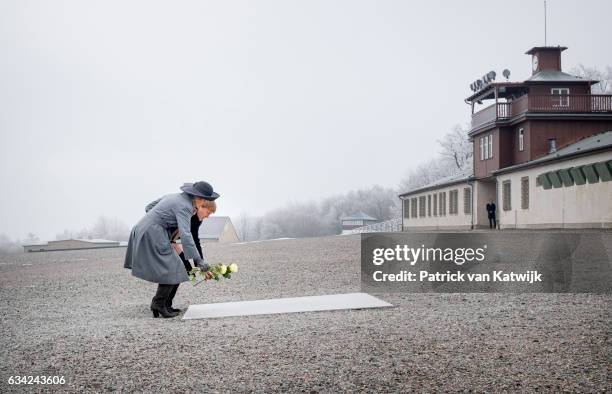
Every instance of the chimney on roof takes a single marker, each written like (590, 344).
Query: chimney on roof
(552, 145)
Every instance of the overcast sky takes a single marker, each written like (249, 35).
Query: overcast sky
(107, 105)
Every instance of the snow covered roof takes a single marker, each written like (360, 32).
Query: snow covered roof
(359, 216)
(555, 76)
(462, 176)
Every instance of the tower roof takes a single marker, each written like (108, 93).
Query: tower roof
(540, 49)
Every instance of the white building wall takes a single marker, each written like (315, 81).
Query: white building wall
(461, 220)
(578, 206)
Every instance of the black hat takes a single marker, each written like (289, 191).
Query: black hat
(200, 189)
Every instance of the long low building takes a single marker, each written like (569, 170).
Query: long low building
(71, 244)
(570, 188)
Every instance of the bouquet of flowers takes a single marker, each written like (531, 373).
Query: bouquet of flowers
(214, 272)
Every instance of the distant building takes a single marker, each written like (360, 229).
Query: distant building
(357, 220)
(71, 244)
(218, 229)
(542, 154)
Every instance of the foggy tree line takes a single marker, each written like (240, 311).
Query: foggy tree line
(312, 219)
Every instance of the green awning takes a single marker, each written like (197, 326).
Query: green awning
(578, 175)
(566, 177)
(555, 179)
(544, 181)
(604, 171)
(590, 173)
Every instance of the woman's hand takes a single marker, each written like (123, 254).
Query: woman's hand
(178, 248)
(209, 275)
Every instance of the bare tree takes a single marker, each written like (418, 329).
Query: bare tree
(456, 157)
(67, 234)
(9, 246)
(426, 173)
(104, 227)
(243, 223)
(457, 148)
(110, 228)
(31, 238)
(604, 86)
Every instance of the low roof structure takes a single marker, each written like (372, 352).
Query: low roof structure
(460, 177)
(70, 244)
(219, 229)
(359, 216)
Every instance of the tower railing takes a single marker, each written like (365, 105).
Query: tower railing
(543, 103)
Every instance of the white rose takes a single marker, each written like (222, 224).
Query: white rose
(233, 267)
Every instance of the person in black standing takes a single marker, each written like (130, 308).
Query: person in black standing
(491, 213)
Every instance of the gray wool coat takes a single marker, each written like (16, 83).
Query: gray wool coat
(149, 253)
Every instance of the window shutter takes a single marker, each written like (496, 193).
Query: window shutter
(435, 204)
(525, 192)
(506, 196)
(467, 200)
(422, 206)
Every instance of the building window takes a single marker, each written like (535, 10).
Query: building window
(429, 205)
(422, 200)
(560, 97)
(506, 196)
(435, 204)
(482, 148)
(521, 136)
(453, 197)
(486, 147)
(525, 192)
(467, 200)
(406, 209)
(413, 207)
(443, 204)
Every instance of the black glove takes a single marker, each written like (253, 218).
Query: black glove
(201, 264)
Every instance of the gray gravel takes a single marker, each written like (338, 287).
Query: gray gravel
(79, 314)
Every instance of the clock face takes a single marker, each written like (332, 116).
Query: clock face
(534, 62)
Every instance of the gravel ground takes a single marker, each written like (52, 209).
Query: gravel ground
(79, 314)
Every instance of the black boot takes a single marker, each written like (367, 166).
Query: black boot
(170, 298)
(158, 304)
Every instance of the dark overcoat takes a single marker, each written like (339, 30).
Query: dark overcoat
(149, 253)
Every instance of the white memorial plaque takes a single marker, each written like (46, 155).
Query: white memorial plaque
(285, 305)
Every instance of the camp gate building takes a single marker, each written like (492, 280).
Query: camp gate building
(542, 154)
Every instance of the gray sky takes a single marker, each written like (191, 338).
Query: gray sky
(107, 105)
